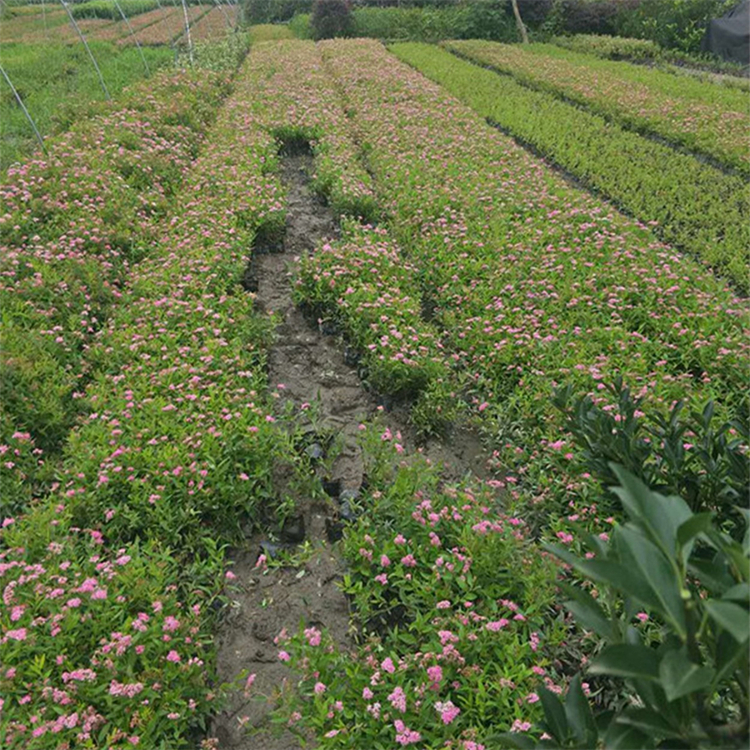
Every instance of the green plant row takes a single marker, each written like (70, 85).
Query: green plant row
(648, 51)
(178, 452)
(296, 102)
(704, 118)
(530, 282)
(108, 9)
(695, 206)
(365, 284)
(450, 599)
(55, 81)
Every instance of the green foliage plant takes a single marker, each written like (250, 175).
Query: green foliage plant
(689, 686)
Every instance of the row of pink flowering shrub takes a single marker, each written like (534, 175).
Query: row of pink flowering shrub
(105, 632)
(532, 282)
(452, 603)
(296, 100)
(364, 282)
(72, 224)
(699, 115)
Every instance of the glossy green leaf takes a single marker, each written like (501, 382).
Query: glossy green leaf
(587, 611)
(515, 740)
(554, 716)
(651, 722)
(625, 660)
(738, 593)
(626, 737)
(731, 617)
(649, 568)
(579, 715)
(679, 676)
(660, 516)
(687, 531)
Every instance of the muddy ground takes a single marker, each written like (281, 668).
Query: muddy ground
(311, 366)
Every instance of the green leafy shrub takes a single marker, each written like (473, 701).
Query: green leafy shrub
(704, 463)
(689, 684)
(331, 18)
(484, 19)
(300, 26)
(274, 11)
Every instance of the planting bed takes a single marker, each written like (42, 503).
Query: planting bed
(291, 418)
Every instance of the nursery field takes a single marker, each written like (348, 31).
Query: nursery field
(362, 397)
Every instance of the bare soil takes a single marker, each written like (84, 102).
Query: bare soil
(311, 366)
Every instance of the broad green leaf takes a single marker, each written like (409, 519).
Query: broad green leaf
(660, 516)
(680, 676)
(554, 716)
(625, 737)
(587, 611)
(579, 715)
(601, 571)
(649, 568)
(625, 660)
(728, 657)
(731, 617)
(714, 576)
(648, 721)
(690, 529)
(746, 538)
(514, 740)
(738, 593)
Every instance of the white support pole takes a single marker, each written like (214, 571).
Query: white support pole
(135, 38)
(23, 107)
(88, 49)
(187, 32)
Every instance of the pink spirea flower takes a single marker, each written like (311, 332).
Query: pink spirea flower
(398, 699)
(404, 735)
(448, 712)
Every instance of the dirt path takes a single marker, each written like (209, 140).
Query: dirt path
(311, 367)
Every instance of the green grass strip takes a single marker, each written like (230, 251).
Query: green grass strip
(698, 208)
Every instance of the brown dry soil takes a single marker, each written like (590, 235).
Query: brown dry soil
(311, 366)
